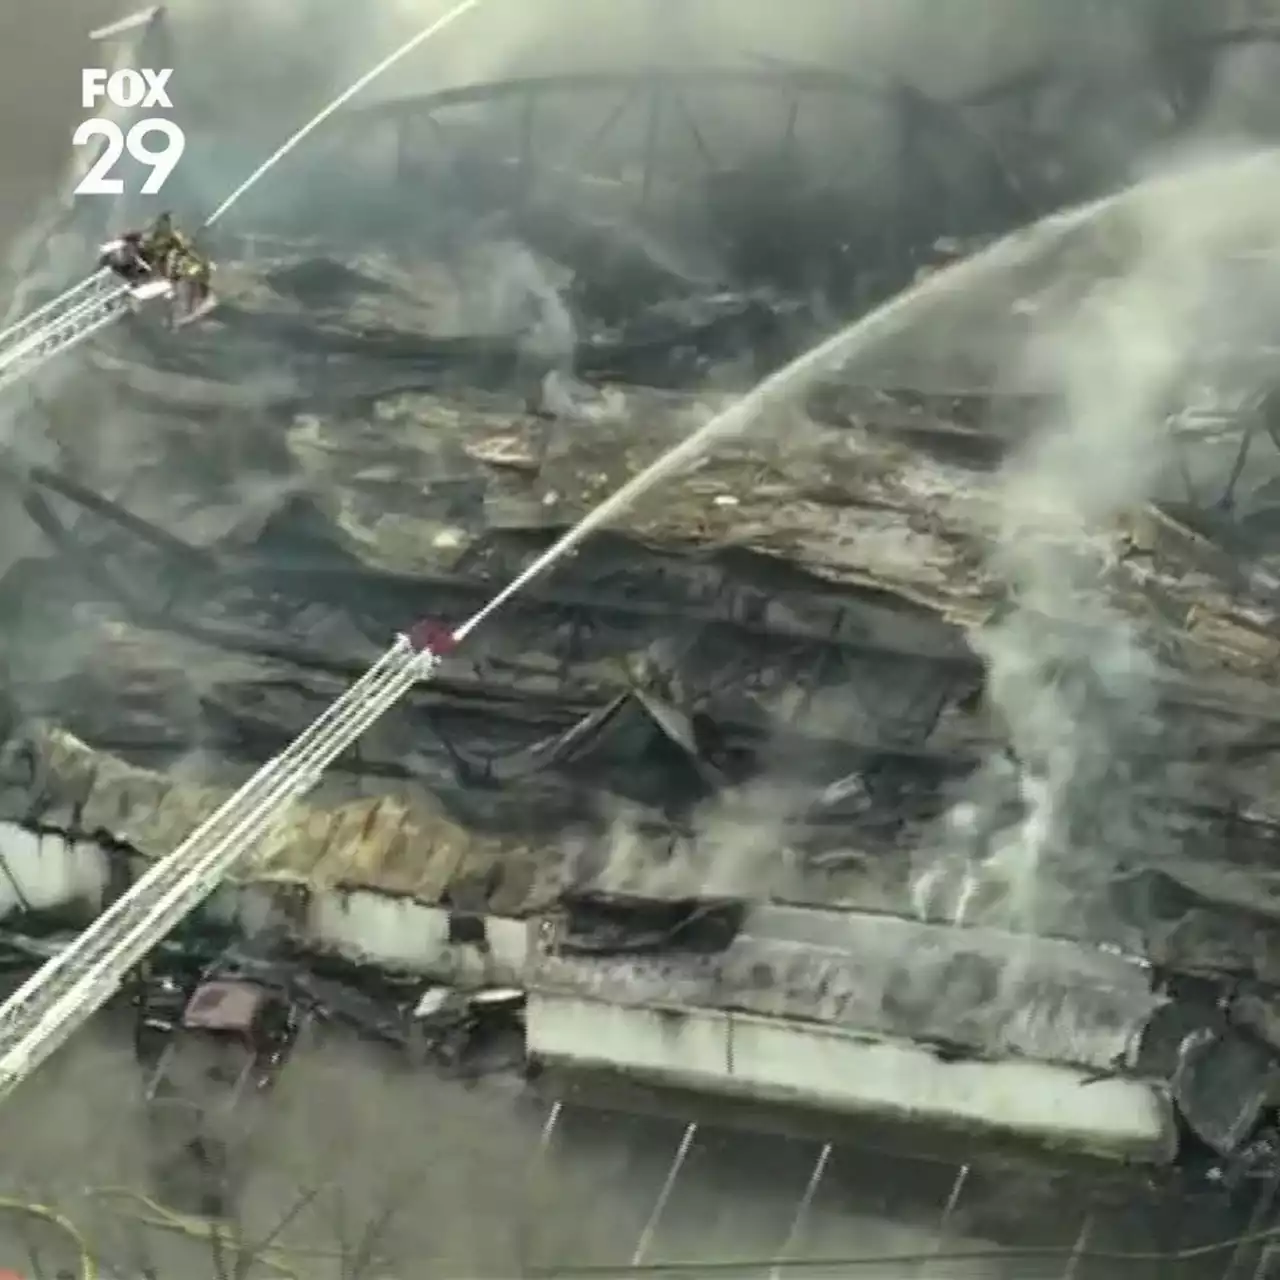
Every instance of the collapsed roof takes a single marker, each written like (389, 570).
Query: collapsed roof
(766, 682)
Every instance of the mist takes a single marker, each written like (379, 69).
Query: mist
(1073, 675)
(1073, 670)
(504, 39)
(239, 63)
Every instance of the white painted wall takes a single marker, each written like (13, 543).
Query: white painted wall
(827, 1068)
(47, 871)
(40, 872)
(706, 1049)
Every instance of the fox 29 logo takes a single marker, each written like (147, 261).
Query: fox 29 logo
(126, 89)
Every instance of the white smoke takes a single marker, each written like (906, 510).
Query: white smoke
(1071, 675)
(505, 290)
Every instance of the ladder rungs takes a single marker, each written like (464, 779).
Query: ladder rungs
(46, 1009)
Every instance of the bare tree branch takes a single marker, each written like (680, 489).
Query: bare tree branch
(253, 1253)
(216, 1252)
(374, 1231)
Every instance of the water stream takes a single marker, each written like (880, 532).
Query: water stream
(862, 338)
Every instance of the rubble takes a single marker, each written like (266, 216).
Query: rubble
(762, 686)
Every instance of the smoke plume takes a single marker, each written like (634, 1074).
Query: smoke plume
(1072, 675)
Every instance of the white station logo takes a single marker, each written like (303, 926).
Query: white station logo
(127, 89)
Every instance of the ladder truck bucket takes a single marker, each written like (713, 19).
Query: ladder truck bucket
(149, 290)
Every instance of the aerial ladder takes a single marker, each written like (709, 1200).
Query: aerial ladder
(42, 1014)
(74, 316)
(62, 323)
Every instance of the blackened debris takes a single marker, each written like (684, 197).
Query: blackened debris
(598, 923)
(468, 1033)
(1221, 1087)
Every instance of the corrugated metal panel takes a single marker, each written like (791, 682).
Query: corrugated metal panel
(397, 845)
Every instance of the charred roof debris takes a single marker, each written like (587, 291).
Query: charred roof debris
(704, 762)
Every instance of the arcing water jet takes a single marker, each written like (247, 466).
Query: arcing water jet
(42, 1013)
(858, 340)
(294, 139)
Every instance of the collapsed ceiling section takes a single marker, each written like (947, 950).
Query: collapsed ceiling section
(769, 681)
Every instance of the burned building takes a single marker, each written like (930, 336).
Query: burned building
(740, 797)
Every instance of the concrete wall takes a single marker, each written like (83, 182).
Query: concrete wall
(51, 873)
(709, 1050)
(388, 932)
(826, 1068)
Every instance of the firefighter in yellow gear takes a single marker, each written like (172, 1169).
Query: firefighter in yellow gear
(158, 243)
